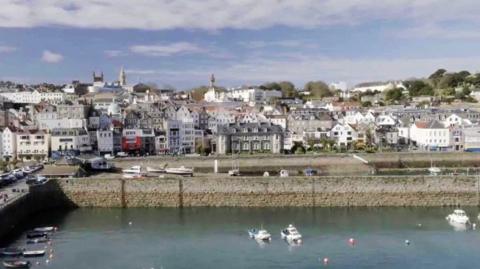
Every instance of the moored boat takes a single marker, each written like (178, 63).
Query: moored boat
(16, 264)
(259, 234)
(34, 253)
(283, 173)
(234, 172)
(133, 172)
(291, 234)
(458, 216)
(46, 229)
(12, 252)
(36, 234)
(155, 170)
(182, 170)
(37, 240)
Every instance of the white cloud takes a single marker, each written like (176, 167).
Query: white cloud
(166, 49)
(51, 57)
(221, 14)
(7, 49)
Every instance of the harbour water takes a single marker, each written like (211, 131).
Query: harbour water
(217, 238)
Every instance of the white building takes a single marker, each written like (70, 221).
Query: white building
(49, 124)
(9, 144)
(343, 134)
(32, 145)
(455, 120)
(431, 135)
(252, 95)
(378, 86)
(35, 97)
(105, 141)
(71, 139)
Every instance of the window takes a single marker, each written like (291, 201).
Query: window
(245, 146)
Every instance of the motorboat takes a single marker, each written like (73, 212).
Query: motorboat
(109, 156)
(234, 172)
(283, 173)
(18, 173)
(46, 229)
(266, 174)
(458, 216)
(310, 172)
(434, 170)
(37, 240)
(122, 154)
(100, 164)
(133, 172)
(182, 170)
(291, 234)
(34, 253)
(12, 252)
(16, 264)
(36, 234)
(155, 170)
(259, 234)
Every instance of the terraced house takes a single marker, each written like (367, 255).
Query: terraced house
(250, 138)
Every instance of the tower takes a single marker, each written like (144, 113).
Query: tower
(212, 81)
(122, 78)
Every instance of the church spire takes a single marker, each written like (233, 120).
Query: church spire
(212, 81)
(122, 78)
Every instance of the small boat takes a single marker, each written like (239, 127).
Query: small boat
(458, 216)
(283, 173)
(182, 170)
(266, 174)
(37, 240)
(434, 170)
(259, 234)
(155, 170)
(309, 172)
(34, 253)
(234, 172)
(36, 234)
(291, 234)
(16, 264)
(46, 229)
(133, 172)
(12, 252)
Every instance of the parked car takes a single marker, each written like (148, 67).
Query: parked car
(122, 154)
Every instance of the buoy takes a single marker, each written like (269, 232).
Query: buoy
(474, 226)
(325, 261)
(37, 263)
(351, 241)
(419, 225)
(407, 242)
(47, 261)
(130, 223)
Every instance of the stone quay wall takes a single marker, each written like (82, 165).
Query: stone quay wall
(271, 192)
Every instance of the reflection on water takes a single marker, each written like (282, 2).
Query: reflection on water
(217, 238)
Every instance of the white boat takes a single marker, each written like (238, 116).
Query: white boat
(122, 154)
(234, 172)
(33, 253)
(433, 170)
(133, 172)
(458, 216)
(155, 170)
(283, 173)
(291, 234)
(261, 234)
(109, 156)
(266, 174)
(100, 164)
(182, 170)
(46, 229)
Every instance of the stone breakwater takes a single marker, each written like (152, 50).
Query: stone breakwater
(270, 192)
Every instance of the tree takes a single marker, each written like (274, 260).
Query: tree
(394, 95)
(318, 89)
(199, 92)
(286, 87)
(437, 74)
(418, 88)
(367, 104)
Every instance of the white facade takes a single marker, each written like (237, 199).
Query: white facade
(455, 120)
(49, 124)
(343, 134)
(213, 95)
(70, 139)
(35, 97)
(9, 143)
(104, 140)
(379, 87)
(252, 95)
(431, 135)
(32, 145)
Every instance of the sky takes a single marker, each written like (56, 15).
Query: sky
(243, 42)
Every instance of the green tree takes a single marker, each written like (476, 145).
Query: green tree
(394, 95)
(366, 104)
(286, 87)
(438, 74)
(199, 92)
(318, 89)
(418, 88)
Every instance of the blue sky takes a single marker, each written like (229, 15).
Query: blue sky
(243, 42)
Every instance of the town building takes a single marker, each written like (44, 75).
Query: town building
(138, 141)
(70, 141)
(32, 145)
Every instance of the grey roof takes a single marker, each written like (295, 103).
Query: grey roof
(250, 129)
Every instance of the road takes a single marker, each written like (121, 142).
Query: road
(21, 188)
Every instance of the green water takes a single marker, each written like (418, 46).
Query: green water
(217, 238)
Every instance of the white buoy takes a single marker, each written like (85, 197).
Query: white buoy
(130, 223)
(474, 226)
(352, 241)
(325, 261)
(419, 225)
(407, 242)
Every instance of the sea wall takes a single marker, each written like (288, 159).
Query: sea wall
(271, 192)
